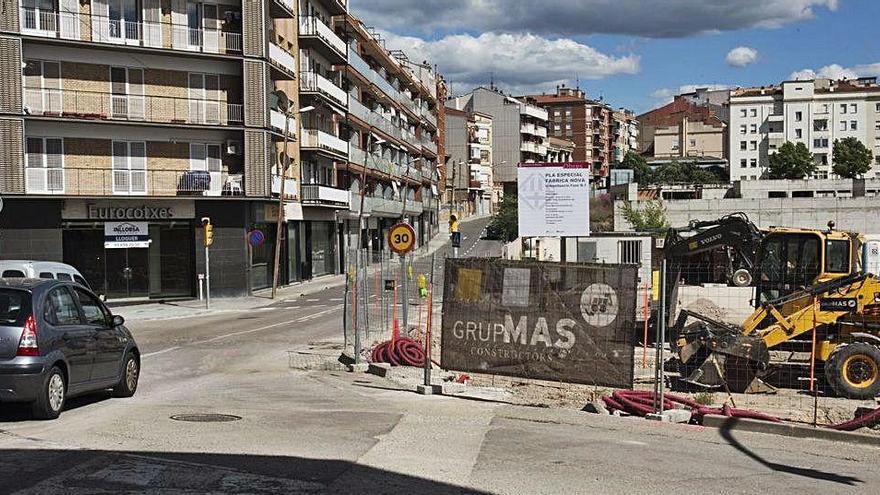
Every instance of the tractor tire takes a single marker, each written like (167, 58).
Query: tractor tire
(742, 278)
(853, 371)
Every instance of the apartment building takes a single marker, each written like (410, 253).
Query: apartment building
(470, 188)
(391, 132)
(683, 131)
(519, 131)
(626, 133)
(815, 113)
(586, 122)
(560, 150)
(151, 115)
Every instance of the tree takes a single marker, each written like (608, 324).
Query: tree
(505, 224)
(601, 213)
(791, 162)
(650, 218)
(637, 163)
(852, 159)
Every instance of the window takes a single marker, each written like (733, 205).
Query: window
(743, 163)
(742, 129)
(754, 146)
(93, 311)
(843, 108)
(798, 133)
(820, 143)
(44, 161)
(754, 112)
(126, 93)
(753, 163)
(129, 167)
(853, 125)
(65, 277)
(820, 125)
(743, 145)
(204, 98)
(46, 275)
(837, 256)
(568, 113)
(14, 307)
(80, 281)
(842, 125)
(61, 308)
(693, 143)
(753, 128)
(877, 107)
(754, 177)
(798, 116)
(630, 252)
(42, 86)
(206, 158)
(13, 274)
(743, 112)
(853, 108)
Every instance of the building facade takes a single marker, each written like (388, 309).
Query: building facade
(815, 113)
(160, 113)
(683, 131)
(519, 131)
(626, 134)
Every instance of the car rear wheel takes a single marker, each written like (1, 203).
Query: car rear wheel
(50, 401)
(130, 375)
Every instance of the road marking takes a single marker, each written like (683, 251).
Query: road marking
(245, 332)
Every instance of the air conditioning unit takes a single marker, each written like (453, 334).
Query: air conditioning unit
(233, 147)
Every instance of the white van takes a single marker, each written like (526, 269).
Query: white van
(40, 269)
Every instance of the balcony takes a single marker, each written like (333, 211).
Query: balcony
(536, 148)
(381, 207)
(96, 181)
(316, 83)
(276, 120)
(95, 105)
(77, 26)
(373, 118)
(429, 144)
(412, 207)
(361, 65)
(534, 130)
(314, 138)
(290, 188)
(533, 111)
(325, 195)
(282, 8)
(283, 60)
(311, 27)
(776, 117)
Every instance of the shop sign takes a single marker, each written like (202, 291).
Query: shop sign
(143, 212)
(124, 235)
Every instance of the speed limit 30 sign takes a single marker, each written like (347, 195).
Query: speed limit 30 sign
(401, 238)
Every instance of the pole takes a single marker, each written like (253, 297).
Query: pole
(279, 223)
(428, 343)
(207, 277)
(661, 341)
(646, 313)
(813, 370)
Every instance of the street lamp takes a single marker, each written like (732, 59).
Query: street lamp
(284, 165)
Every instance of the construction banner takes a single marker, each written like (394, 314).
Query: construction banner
(549, 321)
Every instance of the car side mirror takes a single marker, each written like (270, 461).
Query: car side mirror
(117, 321)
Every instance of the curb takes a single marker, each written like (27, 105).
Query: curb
(788, 430)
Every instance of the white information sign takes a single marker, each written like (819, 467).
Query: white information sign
(554, 199)
(124, 235)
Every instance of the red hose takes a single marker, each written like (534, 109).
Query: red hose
(400, 352)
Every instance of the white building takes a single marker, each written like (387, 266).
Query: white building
(815, 113)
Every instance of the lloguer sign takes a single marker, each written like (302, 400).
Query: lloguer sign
(143, 212)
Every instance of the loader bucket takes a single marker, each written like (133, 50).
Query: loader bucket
(713, 354)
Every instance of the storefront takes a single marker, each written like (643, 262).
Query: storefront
(313, 242)
(132, 249)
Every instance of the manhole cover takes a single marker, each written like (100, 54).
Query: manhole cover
(205, 418)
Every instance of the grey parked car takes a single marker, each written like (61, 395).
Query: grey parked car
(57, 340)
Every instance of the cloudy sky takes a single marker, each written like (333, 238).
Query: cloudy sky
(634, 53)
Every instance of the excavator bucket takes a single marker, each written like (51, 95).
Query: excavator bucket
(714, 354)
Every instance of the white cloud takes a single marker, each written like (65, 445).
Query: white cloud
(837, 71)
(655, 19)
(520, 63)
(741, 56)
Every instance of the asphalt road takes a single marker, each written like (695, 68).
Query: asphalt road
(334, 432)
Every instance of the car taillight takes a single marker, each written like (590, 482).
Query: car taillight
(27, 346)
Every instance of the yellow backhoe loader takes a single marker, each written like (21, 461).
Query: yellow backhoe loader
(804, 279)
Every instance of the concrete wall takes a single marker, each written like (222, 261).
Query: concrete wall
(855, 214)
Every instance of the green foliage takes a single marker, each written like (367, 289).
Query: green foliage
(505, 224)
(601, 214)
(791, 162)
(704, 398)
(852, 159)
(637, 163)
(650, 218)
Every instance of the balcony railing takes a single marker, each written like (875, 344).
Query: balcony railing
(97, 105)
(290, 187)
(412, 207)
(314, 138)
(283, 59)
(313, 26)
(314, 82)
(374, 77)
(373, 118)
(429, 144)
(276, 120)
(533, 111)
(320, 194)
(536, 148)
(96, 181)
(385, 207)
(111, 30)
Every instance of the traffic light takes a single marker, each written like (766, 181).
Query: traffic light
(209, 231)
